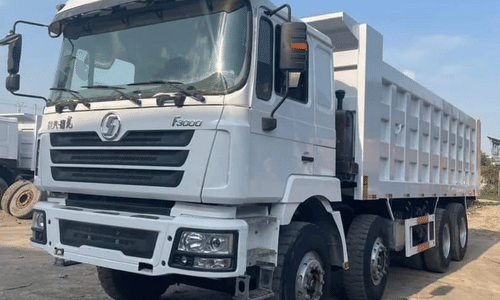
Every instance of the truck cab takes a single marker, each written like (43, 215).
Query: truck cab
(154, 138)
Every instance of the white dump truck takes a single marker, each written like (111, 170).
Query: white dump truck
(225, 144)
(18, 135)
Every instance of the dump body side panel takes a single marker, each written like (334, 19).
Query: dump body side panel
(409, 141)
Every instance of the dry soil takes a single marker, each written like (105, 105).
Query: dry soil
(28, 273)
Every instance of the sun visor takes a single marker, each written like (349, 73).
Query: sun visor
(89, 9)
(82, 15)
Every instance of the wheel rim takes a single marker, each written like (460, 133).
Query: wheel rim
(310, 278)
(463, 232)
(446, 240)
(379, 261)
(24, 200)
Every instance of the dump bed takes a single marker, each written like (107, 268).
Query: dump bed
(8, 139)
(409, 141)
(18, 133)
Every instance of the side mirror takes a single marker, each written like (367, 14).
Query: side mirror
(14, 56)
(9, 39)
(12, 84)
(14, 41)
(293, 56)
(293, 61)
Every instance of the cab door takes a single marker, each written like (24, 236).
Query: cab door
(288, 149)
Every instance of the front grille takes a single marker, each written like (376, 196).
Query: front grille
(169, 158)
(106, 203)
(118, 176)
(170, 138)
(131, 242)
(115, 155)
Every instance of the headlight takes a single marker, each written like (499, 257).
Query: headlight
(38, 220)
(204, 250)
(38, 227)
(206, 243)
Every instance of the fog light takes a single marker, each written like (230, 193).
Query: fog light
(212, 263)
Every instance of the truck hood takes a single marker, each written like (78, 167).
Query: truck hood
(149, 152)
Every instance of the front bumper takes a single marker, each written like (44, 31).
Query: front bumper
(164, 227)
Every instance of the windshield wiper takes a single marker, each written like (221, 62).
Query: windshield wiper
(71, 104)
(116, 89)
(189, 92)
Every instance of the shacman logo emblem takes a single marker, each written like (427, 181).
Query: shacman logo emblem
(110, 126)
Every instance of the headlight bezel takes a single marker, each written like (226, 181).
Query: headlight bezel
(206, 241)
(39, 233)
(177, 254)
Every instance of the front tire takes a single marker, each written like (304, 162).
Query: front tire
(304, 269)
(369, 258)
(437, 259)
(121, 285)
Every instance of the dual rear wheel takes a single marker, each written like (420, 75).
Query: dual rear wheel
(451, 238)
(367, 245)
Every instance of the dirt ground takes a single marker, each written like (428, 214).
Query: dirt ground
(28, 273)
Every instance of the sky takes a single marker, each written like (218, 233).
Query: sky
(452, 47)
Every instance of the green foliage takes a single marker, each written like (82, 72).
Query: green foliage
(485, 161)
(489, 178)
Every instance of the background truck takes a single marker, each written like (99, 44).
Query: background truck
(18, 132)
(219, 144)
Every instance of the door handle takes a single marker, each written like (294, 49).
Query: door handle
(307, 158)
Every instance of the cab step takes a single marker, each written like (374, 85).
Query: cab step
(257, 294)
(262, 292)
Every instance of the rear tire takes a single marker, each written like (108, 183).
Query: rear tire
(11, 190)
(369, 258)
(304, 268)
(121, 285)
(459, 231)
(22, 202)
(437, 259)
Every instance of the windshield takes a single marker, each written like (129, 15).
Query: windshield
(206, 52)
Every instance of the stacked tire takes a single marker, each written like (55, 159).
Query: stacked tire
(20, 198)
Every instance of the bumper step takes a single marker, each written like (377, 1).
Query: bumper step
(257, 294)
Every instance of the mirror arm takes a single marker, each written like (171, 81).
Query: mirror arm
(30, 96)
(29, 23)
(287, 90)
(270, 123)
(272, 12)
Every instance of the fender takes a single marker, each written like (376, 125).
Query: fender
(299, 188)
